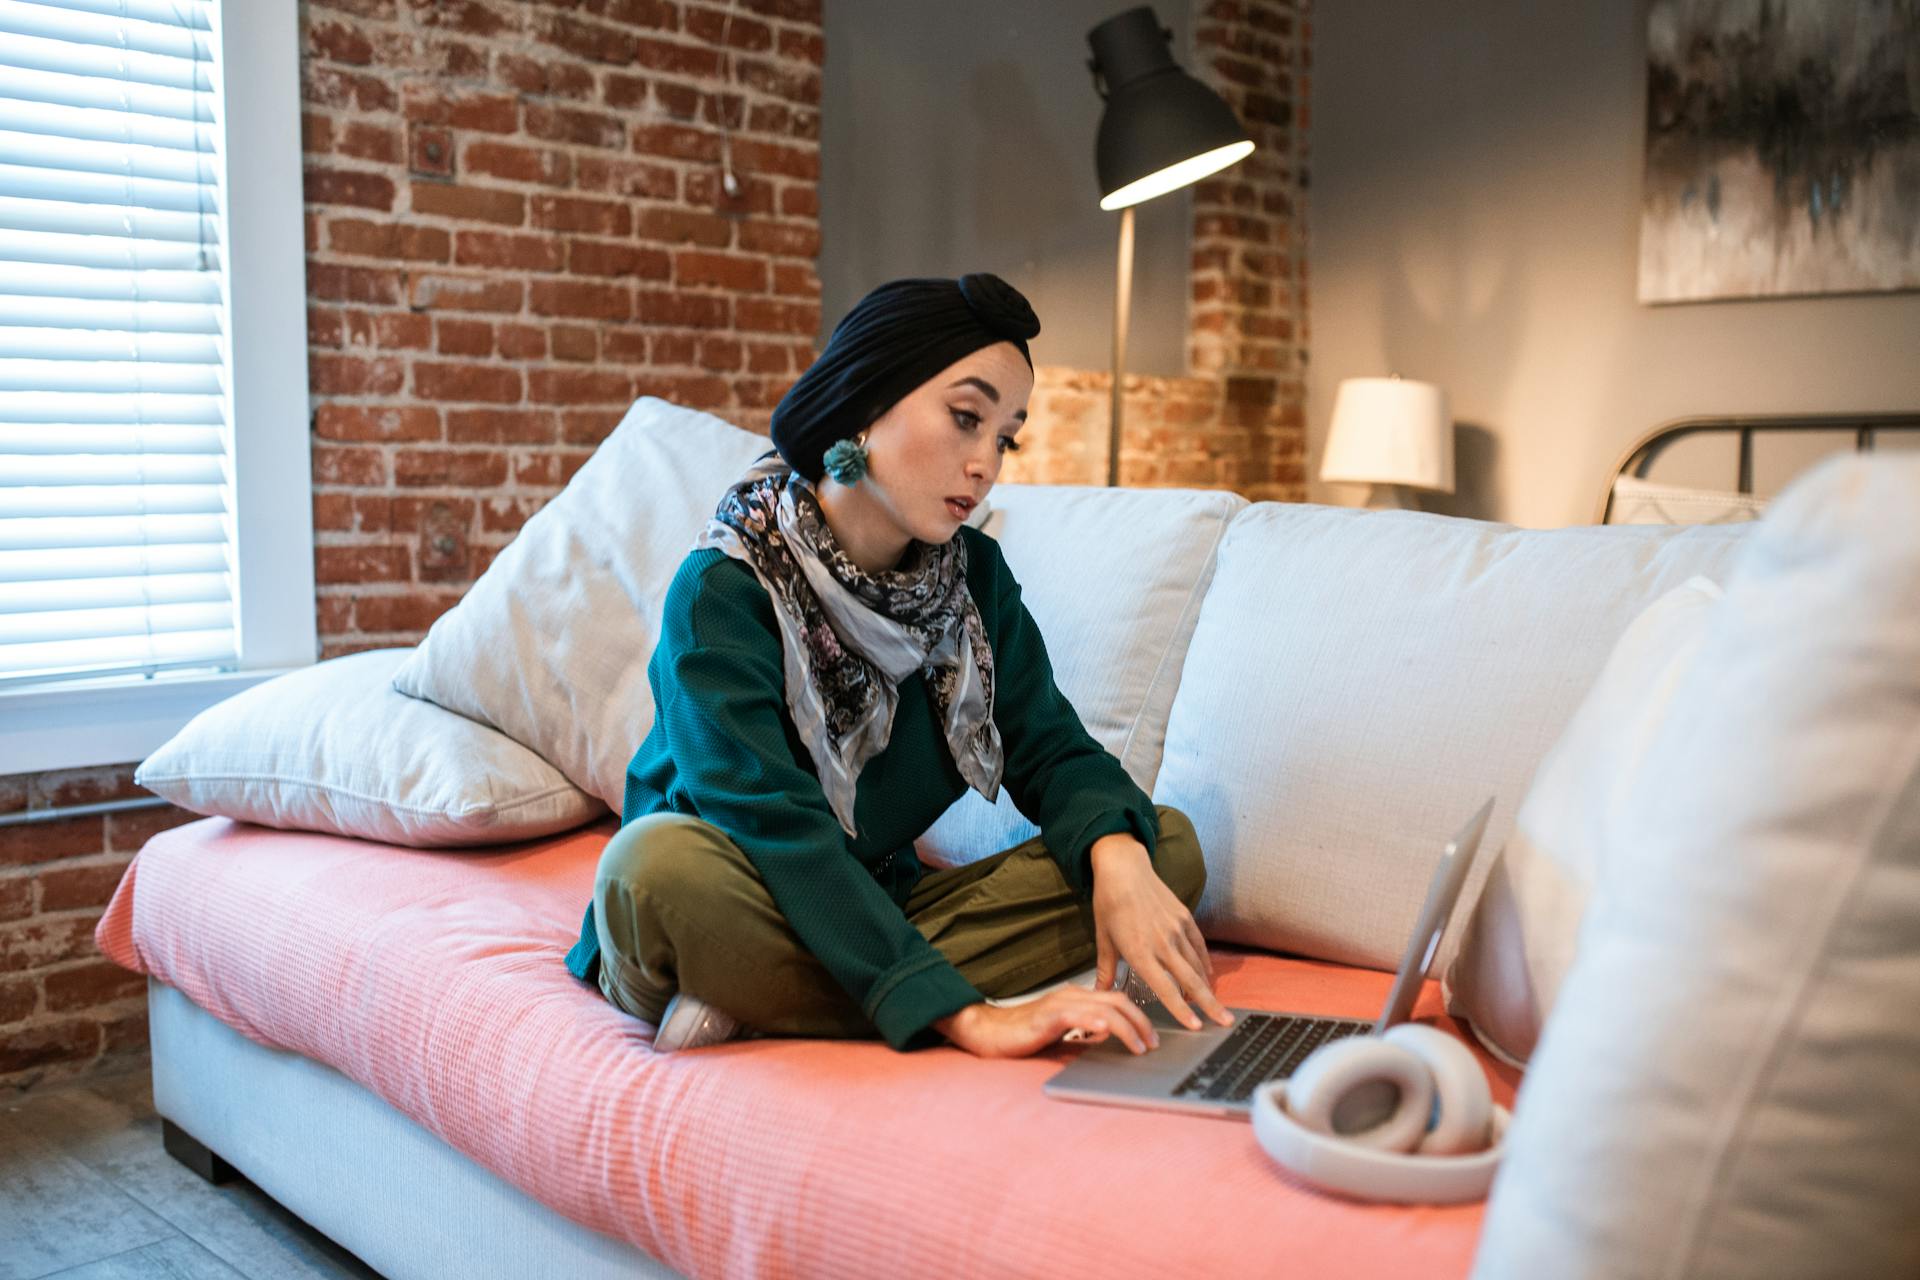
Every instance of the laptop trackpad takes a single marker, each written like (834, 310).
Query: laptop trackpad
(1162, 1018)
(1110, 1062)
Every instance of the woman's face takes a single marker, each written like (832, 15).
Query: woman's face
(946, 439)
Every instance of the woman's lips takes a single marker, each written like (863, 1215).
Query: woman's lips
(960, 511)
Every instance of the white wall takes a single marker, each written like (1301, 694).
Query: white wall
(1474, 221)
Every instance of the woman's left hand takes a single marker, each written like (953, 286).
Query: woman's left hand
(1138, 919)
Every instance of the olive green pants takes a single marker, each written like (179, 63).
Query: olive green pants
(678, 905)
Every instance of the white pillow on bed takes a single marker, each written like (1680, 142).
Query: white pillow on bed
(1519, 941)
(335, 748)
(1637, 501)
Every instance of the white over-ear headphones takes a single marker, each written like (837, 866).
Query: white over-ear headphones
(1405, 1116)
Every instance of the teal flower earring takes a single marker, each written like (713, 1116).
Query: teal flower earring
(846, 461)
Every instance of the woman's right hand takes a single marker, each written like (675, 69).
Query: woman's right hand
(1016, 1031)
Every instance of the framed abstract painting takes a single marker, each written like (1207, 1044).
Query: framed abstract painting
(1783, 149)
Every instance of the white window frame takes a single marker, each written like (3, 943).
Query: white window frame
(115, 720)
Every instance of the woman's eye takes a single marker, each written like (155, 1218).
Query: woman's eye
(969, 420)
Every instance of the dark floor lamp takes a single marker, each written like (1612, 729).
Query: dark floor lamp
(1161, 130)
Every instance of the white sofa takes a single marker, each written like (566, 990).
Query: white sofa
(1328, 693)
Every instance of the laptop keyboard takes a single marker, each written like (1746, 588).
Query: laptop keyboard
(1263, 1047)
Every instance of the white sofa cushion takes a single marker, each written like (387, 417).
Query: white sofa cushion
(1114, 579)
(1519, 939)
(1360, 681)
(551, 645)
(1730, 1081)
(333, 747)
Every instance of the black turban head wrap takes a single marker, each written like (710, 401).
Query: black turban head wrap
(898, 336)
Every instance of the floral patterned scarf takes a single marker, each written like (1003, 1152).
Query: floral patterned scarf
(850, 637)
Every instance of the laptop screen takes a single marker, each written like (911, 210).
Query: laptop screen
(1443, 891)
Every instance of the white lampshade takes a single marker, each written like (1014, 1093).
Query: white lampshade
(1390, 431)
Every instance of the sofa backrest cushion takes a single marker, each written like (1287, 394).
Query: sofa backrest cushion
(1114, 579)
(1360, 682)
(1727, 1083)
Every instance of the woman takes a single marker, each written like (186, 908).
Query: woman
(840, 659)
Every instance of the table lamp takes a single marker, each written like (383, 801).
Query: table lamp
(1392, 433)
(1161, 130)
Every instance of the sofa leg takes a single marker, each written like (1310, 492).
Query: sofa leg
(194, 1154)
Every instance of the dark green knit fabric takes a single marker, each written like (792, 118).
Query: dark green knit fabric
(724, 748)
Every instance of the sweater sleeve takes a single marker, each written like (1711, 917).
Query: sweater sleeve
(724, 724)
(1059, 775)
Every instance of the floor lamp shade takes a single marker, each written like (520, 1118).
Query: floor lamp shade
(1161, 129)
(1390, 431)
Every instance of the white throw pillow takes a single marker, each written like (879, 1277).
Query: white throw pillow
(551, 645)
(1361, 681)
(333, 747)
(1519, 940)
(1729, 1084)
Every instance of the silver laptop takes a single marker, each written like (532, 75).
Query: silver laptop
(1214, 1071)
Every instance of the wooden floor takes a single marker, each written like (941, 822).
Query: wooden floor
(87, 1192)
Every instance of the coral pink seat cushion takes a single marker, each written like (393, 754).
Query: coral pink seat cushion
(436, 981)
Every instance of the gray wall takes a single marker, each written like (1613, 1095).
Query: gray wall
(1474, 222)
(959, 137)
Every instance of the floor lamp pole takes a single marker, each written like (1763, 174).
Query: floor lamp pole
(1122, 299)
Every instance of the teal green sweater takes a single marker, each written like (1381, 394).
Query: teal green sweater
(724, 748)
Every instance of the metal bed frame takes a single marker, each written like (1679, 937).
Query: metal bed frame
(1640, 455)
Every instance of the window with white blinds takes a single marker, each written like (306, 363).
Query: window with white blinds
(117, 530)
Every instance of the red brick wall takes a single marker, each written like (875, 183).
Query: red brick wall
(515, 226)
(62, 1005)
